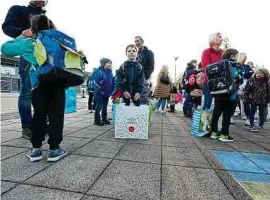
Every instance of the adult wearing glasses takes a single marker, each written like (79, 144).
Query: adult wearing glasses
(17, 22)
(146, 58)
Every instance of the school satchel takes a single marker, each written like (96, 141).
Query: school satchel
(58, 60)
(220, 78)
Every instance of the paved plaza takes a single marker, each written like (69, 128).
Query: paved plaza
(170, 165)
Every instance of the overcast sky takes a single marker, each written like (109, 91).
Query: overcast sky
(170, 28)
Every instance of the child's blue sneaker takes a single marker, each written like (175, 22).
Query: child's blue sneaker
(57, 154)
(34, 154)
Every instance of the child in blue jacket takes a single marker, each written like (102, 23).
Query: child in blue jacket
(130, 77)
(47, 100)
(103, 88)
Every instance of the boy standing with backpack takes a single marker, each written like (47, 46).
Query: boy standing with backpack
(103, 88)
(225, 103)
(48, 92)
(130, 77)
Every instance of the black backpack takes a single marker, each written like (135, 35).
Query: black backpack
(220, 80)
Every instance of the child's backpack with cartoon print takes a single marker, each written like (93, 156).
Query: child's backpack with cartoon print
(58, 59)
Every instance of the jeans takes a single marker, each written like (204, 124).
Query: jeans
(227, 108)
(247, 109)
(266, 112)
(90, 100)
(261, 114)
(24, 100)
(145, 93)
(48, 101)
(101, 105)
(161, 102)
(207, 97)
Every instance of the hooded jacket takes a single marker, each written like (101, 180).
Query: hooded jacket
(103, 83)
(18, 19)
(130, 77)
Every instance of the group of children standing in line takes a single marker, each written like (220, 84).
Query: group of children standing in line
(253, 88)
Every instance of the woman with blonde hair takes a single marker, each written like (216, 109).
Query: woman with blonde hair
(210, 55)
(163, 87)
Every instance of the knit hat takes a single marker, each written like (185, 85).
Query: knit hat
(104, 61)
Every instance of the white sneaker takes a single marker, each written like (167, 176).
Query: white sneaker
(244, 118)
(232, 121)
(162, 111)
(247, 123)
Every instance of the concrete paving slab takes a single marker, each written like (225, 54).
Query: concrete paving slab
(154, 131)
(129, 180)
(155, 125)
(178, 142)
(152, 140)
(175, 133)
(189, 183)
(214, 162)
(258, 191)
(10, 135)
(77, 173)
(207, 143)
(258, 138)
(88, 197)
(262, 160)
(70, 130)
(140, 153)
(7, 152)
(184, 157)
(101, 148)
(20, 142)
(264, 145)
(86, 133)
(110, 136)
(5, 186)
(19, 168)
(26, 192)
(233, 185)
(172, 127)
(248, 147)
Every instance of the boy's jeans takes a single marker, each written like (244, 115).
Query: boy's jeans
(207, 97)
(101, 105)
(24, 100)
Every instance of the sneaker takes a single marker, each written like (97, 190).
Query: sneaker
(214, 135)
(57, 154)
(162, 111)
(232, 121)
(26, 133)
(260, 129)
(225, 138)
(244, 118)
(247, 123)
(98, 123)
(34, 154)
(106, 122)
(254, 129)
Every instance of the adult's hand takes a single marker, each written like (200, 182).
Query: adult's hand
(27, 33)
(137, 96)
(127, 95)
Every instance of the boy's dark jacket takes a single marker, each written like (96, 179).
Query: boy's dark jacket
(130, 77)
(146, 59)
(257, 91)
(18, 19)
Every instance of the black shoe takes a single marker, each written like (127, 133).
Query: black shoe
(26, 133)
(99, 123)
(106, 122)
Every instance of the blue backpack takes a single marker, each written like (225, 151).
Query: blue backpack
(58, 59)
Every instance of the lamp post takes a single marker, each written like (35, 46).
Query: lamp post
(175, 59)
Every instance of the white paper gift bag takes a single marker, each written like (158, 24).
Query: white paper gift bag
(132, 121)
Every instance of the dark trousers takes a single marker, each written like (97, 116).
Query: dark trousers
(227, 108)
(101, 106)
(261, 113)
(90, 100)
(172, 108)
(48, 101)
(127, 101)
(247, 109)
